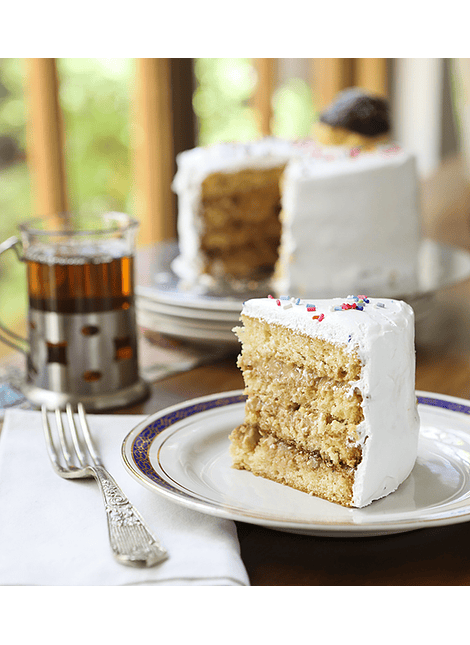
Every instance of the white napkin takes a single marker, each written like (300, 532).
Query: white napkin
(54, 532)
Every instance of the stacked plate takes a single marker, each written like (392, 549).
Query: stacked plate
(197, 321)
(163, 305)
(194, 314)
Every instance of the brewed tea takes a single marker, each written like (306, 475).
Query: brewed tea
(78, 285)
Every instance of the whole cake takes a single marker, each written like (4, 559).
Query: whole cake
(313, 217)
(331, 405)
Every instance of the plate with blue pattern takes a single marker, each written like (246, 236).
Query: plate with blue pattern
(182, 453)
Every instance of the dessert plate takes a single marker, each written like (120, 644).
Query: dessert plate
(175, 328)
(182, 453)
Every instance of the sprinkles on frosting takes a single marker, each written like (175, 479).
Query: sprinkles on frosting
(358, 303)
(352, 303)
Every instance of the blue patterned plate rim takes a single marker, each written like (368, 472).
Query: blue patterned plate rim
(138, 443)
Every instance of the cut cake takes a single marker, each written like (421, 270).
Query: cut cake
(318, 216)
(331, 406)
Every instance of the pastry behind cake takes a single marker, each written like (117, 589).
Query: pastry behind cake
(331, 406)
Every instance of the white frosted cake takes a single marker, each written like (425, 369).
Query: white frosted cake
(315, 219)
(331, 405)
(348, 219)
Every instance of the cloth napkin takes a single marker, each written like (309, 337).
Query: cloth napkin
(54, 532)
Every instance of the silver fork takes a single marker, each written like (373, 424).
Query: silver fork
(131, 541)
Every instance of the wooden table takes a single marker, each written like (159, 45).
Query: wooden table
(435, 556)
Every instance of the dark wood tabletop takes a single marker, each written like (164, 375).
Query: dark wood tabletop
(432, 556)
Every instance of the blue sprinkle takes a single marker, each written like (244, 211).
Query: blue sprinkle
(359, 308)
(349, 339)
(297, 302)
(284, 298)
(338, 309)
(380, 304)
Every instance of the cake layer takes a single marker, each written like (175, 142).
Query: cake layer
(265, 456)
(242, 185)
(326, 359)
(290, 384)
(242, 263)
(335, 441)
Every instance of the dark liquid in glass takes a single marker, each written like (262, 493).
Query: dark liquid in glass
(65, 286)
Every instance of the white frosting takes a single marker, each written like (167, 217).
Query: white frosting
(350, 225)
(349, 222)
(384, 340)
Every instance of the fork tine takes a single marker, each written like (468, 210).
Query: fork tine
(87, 435)
(49, 441)
(74, 434)
(62, 438)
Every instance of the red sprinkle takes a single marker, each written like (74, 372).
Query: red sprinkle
(321, 317)
(270, 296)
(278, 302)
(311, 308)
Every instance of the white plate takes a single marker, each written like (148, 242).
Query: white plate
(188, 314)
(183, 453)
(188, 332)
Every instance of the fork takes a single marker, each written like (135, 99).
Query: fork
(131, 541)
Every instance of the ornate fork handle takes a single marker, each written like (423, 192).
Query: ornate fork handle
(131, 541)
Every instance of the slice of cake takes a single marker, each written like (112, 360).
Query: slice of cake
(331, 405)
